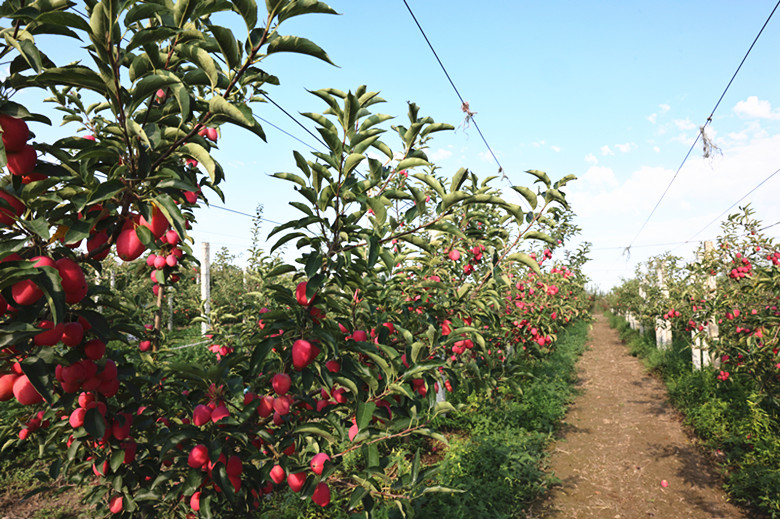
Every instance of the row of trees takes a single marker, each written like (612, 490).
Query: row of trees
(407, 280)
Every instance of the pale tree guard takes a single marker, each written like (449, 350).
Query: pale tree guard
(663, 328)
(205, 286)
(701, 356)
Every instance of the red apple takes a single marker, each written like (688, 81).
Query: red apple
(321, 494)
(15, 133)
(22, 162)
(7, 386)
(199, 456)
(318, 462)
(296, 481)
(128, 246)
(281, 383)
(25, 393)
(277, 474)
(8, 215)
(74, 283)
(115, 504)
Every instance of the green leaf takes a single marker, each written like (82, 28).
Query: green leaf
(352, 161)
(199, 153)
(27, 50)
(220, 106)
(299, 45)
(300, 7)
(364, 413)
(526, 260)
(227, 44)
(201, 58)
(432, 182)
(411, 162)
(453, 198)
(316, 430)
(526, 193)
(457, 179)
(536, 235)
(292, 177)
(94, 423)
(148, 86)
(378, 207)
(248, 11)
(541, 176)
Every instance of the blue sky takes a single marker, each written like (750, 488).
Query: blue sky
(612, 92)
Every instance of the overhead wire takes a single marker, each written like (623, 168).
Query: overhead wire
(464, 104)
(702, 128)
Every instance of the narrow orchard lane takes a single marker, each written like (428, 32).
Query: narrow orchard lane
(620, 440)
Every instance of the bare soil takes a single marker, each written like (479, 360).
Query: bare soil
(620, 439)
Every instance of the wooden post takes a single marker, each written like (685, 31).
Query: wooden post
(712, 327)
(170, 311)
(640, 325)
(205, 285)
(663, 328)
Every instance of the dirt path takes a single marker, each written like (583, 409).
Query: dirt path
(620, 440)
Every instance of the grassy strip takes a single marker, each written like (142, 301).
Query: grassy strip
(498, 451)
(725, 416)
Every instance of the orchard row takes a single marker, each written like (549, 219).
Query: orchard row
(407, 283)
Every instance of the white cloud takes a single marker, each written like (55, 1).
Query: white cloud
(652, 118)
(606, 151)
(754, 108)
(656, 149)
(664, 108)
(485, 156)
(556, 149)
(684, 124)
(537, 144)
(440, 154)
(625, 148)
(591, 159)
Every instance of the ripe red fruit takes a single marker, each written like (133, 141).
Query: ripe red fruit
(191, 197)
(128, 246)
(195, 501)
(74, 283)
(25, 393)
(96, 241)
(15, 133)
(201, 415)
(281, 383)
(318, 462)
(8, 215)
(199, 456)
(454, 255)
(211, 134)
(22, 162)
(115, 504)
(159, 262)
(171, 260)
(296, 481)
(303, 353)
(360, 336)
(144, 345)
(160, 95)
(76, 419)
(277, 474)
(300, 294)
(321, 494)
(333, 366)
(282, 405)
(51, 335)
(158, 224)
(95, 349)
(234, 467)
(26, 292)
(266, 406)
(219, 413)
(172, 237)
(7, 386)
